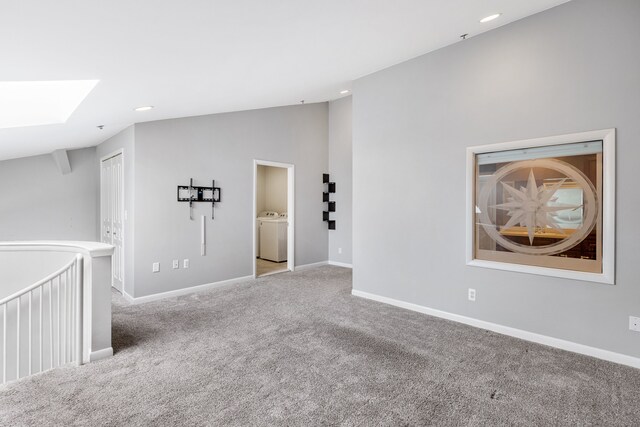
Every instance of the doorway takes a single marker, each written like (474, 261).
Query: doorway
(112, 213)
(273, 217)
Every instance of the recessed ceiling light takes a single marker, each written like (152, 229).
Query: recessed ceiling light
(38, 103)
(145, 108)
(490, 17)
(344, 92)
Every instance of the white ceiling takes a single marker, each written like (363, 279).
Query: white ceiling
(208, 56)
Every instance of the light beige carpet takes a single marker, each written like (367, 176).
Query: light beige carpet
(297, 349)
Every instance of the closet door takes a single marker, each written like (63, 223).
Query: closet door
(117, 213)
(112, 214)
(105, 199)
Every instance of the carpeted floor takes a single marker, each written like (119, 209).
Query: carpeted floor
(297, 349)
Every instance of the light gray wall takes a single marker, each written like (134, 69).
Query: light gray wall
(124, 141)
(21, 269)
(39, 203)
(569, 69)
(340, 169)
(222, 147)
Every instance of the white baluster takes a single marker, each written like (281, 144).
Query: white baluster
(18, 340)
(29, 333)
(64, 319)
(72, 312)
(79, 307)
(59, 340)
(4, 343)
(69, 313)
(40, 334)
(51, 324)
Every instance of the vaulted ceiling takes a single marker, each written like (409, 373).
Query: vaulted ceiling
(199, 57)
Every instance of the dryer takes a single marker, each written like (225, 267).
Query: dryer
(273, 238)
(262, 216)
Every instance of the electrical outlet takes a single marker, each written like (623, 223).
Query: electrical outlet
(339, 250)
(155, 267)
(185, 263)
(176, 264)
(634, 323)
(472, 294)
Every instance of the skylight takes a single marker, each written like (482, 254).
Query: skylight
(41, 102)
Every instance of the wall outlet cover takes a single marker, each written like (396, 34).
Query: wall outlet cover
(472, 294)
(185, 263)
(634, 323)
(155, 267)
(176, 263)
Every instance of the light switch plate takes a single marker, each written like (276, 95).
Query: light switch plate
(634, 323)
(185, 263)
(155, 267)
(176, 264)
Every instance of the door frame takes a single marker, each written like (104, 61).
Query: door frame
(115, 153)
(290, 210)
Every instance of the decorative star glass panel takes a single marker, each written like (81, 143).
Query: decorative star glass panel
(541, 206)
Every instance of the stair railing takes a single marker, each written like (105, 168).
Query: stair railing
(42, 324)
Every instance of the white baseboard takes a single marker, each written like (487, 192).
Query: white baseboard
(129, 298)
(100, 354)
(185, 291)
(598, 353)
(207, 286)
(313, 265)
(340, 264)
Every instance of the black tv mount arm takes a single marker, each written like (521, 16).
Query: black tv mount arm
(190, 193)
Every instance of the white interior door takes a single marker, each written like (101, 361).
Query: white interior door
(112, 213)
(290, 213)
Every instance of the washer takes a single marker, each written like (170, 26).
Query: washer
(273, 238)
(263, 216)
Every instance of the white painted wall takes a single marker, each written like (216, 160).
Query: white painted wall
(222, 147)
(40, 203)
(569, 69)
(340, 170)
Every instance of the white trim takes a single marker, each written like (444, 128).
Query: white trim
(340, 264)
(291, 204)
(100, 354)
(271, 273)
(185, 291)
(206, 286)
(608, 137)
(291, 217)
(91, 249)
(598, 353)
(312, 265)
(129, 298)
